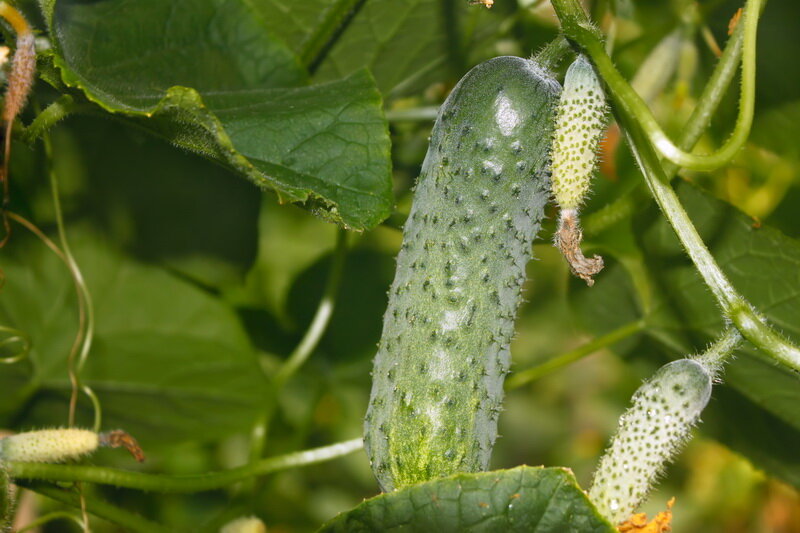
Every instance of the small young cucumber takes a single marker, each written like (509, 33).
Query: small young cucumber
(63, 444)
(444, 353)
(49, 445)
(650, 434)
(580, 124)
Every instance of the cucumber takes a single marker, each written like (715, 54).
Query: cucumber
(49, 445)
(650, 434)
(580, 124)
(438, 374)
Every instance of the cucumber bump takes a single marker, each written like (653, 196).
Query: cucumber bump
(444, 352)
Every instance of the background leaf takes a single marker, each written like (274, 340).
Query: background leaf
(168, 362)
(211, 78)
(520, 499)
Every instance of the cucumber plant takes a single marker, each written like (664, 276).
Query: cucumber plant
(444, 352)
(182, 326)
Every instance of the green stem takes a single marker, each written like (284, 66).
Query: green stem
(577, 27)
(721, 350)
(712, 95)
(184, 484)
(414, 114)
(750, 323)
(553, 53)
(302, 352)
(526, 376)
(334, 21)
(54, 113)
(50, 517)
(713, 92)
(85, 306)
(128, 520)
(321, 318)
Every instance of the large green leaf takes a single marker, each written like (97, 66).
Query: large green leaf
(521, 499)
(762, 263)
(404, 43)
(209, 76)
(169, 362)
(294, 22)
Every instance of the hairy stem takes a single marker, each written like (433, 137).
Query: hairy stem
(720, 351)
(744, 316)
(713, 92)
(184, 484)
(77, 358)
(60, 109)
(553, 53)
(304, 349)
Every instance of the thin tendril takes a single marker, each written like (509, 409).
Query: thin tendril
(15, 338)
(77, 359)
(302, 351)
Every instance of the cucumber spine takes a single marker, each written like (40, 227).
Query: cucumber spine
(444, 352)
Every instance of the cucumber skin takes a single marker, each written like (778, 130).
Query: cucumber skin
(438, 374)
(651, 432)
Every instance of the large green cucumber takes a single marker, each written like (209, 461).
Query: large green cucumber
(438, 375)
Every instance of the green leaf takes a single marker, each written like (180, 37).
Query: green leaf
(521, 499)
(777, 128)
(761, 262)
(294, 22)
(154, 201)
(208, 76)
(6, 501)
(169, 362)
(126, 53)
(403, 43)
(735, 420)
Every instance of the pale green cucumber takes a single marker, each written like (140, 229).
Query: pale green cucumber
(580, 124)
(444, 353)
(49, 445)
(650, 434)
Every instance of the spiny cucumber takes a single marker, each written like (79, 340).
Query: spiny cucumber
(444, 352)
(580, 124)
(650, 433)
